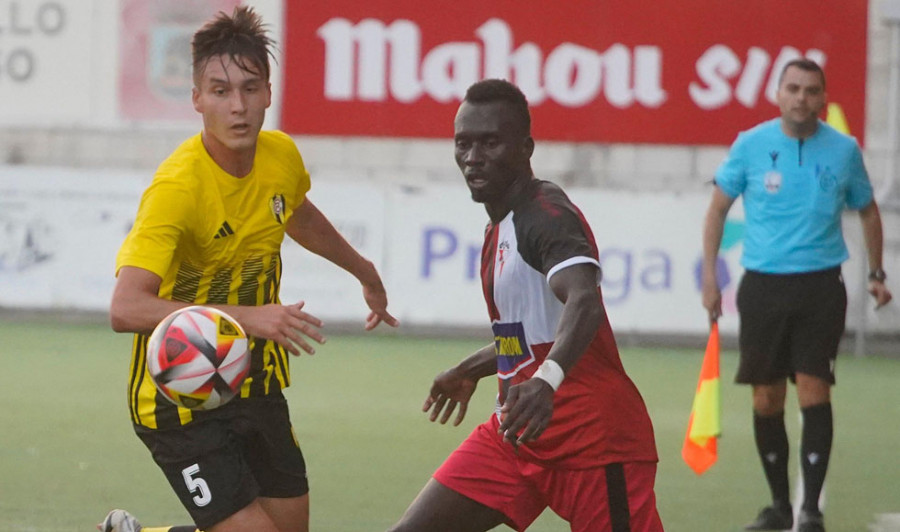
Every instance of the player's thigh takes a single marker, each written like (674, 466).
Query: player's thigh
(271, 448)
(438, 508)
(816, 337)
(617, 497)
(251, 517)
(486, 475)
(205, 466)
(289, 514)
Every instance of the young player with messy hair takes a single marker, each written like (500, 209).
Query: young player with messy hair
(209, 231)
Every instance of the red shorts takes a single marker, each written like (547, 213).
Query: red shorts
(615, 498)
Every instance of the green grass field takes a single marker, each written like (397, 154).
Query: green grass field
(68, 454)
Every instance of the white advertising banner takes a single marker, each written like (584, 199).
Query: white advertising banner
(48, 64)
(60, 230)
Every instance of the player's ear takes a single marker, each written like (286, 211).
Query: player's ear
(195, 99)
(528, 147)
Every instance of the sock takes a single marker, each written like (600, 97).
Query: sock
(815, 450)
(772, 445)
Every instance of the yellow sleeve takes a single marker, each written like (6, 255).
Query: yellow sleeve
(164, 214)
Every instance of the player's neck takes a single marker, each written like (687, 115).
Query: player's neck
(799, 130)
(235, 162)
(497, 210)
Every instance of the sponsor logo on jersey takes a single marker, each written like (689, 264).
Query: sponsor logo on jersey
(276, 204)
(511, 348)
(224, 230)
(772, 181)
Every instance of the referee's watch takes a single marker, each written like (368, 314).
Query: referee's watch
(877, 275)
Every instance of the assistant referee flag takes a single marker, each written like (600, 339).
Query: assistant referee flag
(704, 425)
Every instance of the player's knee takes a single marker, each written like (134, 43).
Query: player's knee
(768, 401)
(812, 391)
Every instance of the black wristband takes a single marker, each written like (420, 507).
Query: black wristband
(877, 275)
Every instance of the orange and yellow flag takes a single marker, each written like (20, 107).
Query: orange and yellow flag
(704, 426)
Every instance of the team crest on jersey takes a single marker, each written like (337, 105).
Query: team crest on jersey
(772, 181)
(511, 349)
(502, 252)
(276, 204)
(827, 179)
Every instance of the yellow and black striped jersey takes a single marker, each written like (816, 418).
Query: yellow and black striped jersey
(215, 239)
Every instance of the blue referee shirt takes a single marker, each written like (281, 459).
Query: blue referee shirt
(794, 192)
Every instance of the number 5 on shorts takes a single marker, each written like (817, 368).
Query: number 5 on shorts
(195, 484)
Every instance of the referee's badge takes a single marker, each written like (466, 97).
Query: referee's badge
(827, 180)
(276, 205)
(772, 181)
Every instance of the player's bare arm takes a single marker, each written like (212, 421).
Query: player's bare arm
(528, 407)
(312, 230)
(455, 386)
(713, 228)
(137, 308)
(870, 217)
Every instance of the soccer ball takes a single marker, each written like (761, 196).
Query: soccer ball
(198, 357)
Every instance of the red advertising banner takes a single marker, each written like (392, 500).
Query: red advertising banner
(644, 71)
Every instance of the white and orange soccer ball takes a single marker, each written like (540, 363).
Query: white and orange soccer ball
(198, 357)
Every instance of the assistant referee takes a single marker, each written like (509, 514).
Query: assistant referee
(796, 175)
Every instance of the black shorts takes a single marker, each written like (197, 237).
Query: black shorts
(222, 462)
(790, 324)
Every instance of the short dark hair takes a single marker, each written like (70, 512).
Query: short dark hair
(242, 37)
(803, 64)
(500, 90)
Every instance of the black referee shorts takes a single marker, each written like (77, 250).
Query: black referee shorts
(220, 463)
(790, 323)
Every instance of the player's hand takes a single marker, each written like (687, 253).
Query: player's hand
(287, 325)
(376, 299)
(449, 390)
(881, 293)
(712, 298)
(526, 411)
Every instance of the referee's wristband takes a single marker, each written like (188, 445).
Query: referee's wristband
(551, 373)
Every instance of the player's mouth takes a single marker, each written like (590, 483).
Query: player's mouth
(476, 180)
(240, 129)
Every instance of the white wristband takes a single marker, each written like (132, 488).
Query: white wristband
(551, 373)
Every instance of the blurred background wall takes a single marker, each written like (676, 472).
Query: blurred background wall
(634, 107)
